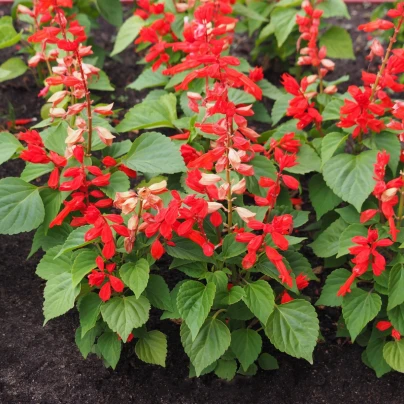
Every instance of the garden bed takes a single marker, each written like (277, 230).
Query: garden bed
(42, 364)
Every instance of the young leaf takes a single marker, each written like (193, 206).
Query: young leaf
(351, 177)
(110, 347)
(396, 286)
(118, 182)
(52, 199)
(396, 316)
(194, 302)
(49, 266)
(338, 42)
(12, 68)
(60, 294)
(260, 299)
(393, 353)
(226, 369)
(152, 348)
(374, 352)
(246, 344)
(111, 10)
(308, 160)
(74, 240)
(127, 33)
(158, 293)
(327, 243)
(21, 207)
(85, 342)
(232, 248)
(284, 20)
(210, 344)
(268, 362)
(148, 79)
(89, 309)
(345, 241)
(234, 295)
(123, 314)
(151, 114)
(136, 275)
(358, 308)
(332, 141)
(322, 197)
(83, 264)
(8, 146)
(293, 328)
(154, 153)
(333, 283)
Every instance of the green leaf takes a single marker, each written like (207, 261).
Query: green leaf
(248, 12)
(358, 308)
(345, 241)
(299, 264)
(374, 352)
(158, 293)
(389, 142)
(334, 8)
(194, 269)
(332, 110)
(322, 197)
(8, 35)
(8, 146)
(327, 243)
(52, 199)
(187, 250)
(284, 20)
(75, 240)
(194, 302)
(279, 109)
(246, 345)
(333, 283)
(83, 264)
(234, 295)
(149, 79)
(111, 10)
(308, 160)
(240, 97)
(85, 342)
(154, 153)
(101, 82)
(396, 286)
(396, 316)
(232, 248)
(338, 42)
(12, 68)
(210, 344)
(152, 348)
(136, 276)
(269, 90)
(151, 114)
(393, 353)
(60, 294)
(263, 167)
(331, 143)
(127, 33)
(110, 348)
(260, 299)
(21, 207)
(123, 314)
(89, 308)
(268, 362)
(118, 182)
(351, 177)
(226, 369)
(54, 137)
(49, 266)
(293, 328)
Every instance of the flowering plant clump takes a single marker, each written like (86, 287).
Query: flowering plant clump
(216, 200)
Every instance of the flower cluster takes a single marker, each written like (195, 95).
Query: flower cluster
(385, 193)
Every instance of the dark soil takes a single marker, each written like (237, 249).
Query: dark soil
(42, 364)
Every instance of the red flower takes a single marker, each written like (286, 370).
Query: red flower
(376, 25)
(96, 278)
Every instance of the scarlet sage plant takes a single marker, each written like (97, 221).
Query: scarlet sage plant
(216, 200)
